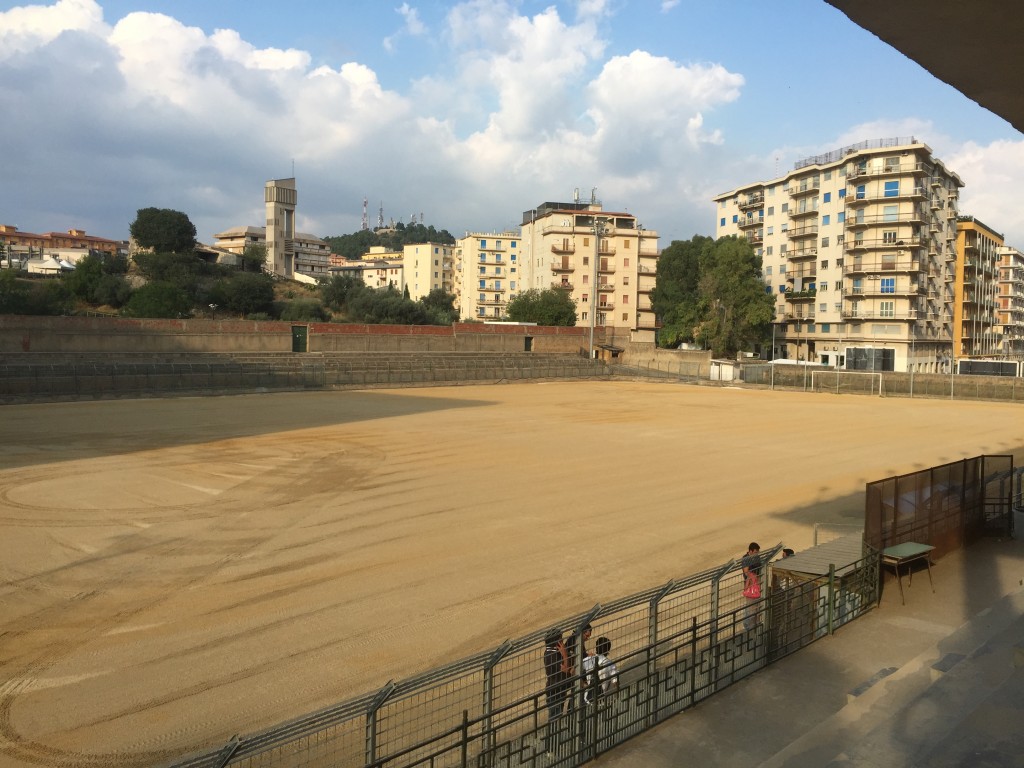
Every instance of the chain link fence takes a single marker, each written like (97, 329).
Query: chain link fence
(674, 645)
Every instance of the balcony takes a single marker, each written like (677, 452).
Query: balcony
(802, 253)
(493, 301)
(803, 214)
(852, 311)
(908, 243)
(802, 274)
(605, 286)
(874, 288)
(605, 307)
(563, 248)
(800, 295)
(806, 187)
(750, 221)
(890, 169)
(752, 201)
(913, 193)
(859, 266)
(606, 250)
(564, 285)
(563, 266)
(881, 219)
(606, 269)
(811, 230)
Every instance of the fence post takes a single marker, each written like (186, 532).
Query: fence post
(715, 582)
(652, 650)
(371, 719)
(465, 738)
(497, 656)
(581, 709)
(831, 597)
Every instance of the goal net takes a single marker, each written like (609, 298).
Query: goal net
(848, 382)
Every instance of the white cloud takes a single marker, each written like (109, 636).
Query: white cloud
(991, 174)
(413, 26)
(161, 113)
(668, 5)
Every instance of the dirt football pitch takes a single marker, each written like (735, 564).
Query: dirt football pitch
(176, 571)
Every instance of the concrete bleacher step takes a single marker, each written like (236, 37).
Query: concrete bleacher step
(904, 713)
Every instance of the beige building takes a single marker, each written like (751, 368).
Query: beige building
(380, 268)
(489, 273)
(976, 331)
(859, 249)
(308, 254)
(1010, 303)
(70, 246)
(428, 266)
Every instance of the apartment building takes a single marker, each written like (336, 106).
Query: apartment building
(70, 245)
(858, 247)
(488, 273)
(1010, 306)
(605, 259)
(428, 267)
(976, 331)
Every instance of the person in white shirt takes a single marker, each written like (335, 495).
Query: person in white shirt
(600, 671)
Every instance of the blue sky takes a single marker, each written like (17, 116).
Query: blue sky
(467, 112)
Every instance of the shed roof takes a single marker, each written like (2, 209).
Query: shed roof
(843, 553)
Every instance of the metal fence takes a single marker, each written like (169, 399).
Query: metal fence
(947, 506)
(893, 384)
(674, 646)
(676, 370)
(128, 378)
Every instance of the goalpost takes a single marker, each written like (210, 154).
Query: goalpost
(848, 382)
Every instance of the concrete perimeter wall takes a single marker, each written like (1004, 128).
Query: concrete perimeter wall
(109, 335)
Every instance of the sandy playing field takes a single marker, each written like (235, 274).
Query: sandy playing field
(175, 571)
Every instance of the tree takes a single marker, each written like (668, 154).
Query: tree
(158, 299)
(440, 307)
(253, 257)
(247, 293)
(712, 293)
(338, 290)
(550, 307)
(164, 230)
(386, 305)
(309, 310)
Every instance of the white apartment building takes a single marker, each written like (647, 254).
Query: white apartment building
(1010, 314)
(858, 247)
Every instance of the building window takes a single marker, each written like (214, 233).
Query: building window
(842, 192)
(840, 239)
(721, 222)
(782, 249)
(771, 210)
(859, 193)
(483, 243)
(768, 270)
(483, 283)
(785, 207)
(825, 327)
(782, 269)
(625, 279)
(735, 219)
(824, 242)
(771, 230)
(784, 228)
(892, 188)
(586, 259)
(840, 218)
(824, 264)
(827, 197)
(823, 307)
(887, 309)
(625, 298)
(586, 298)
(586, 243)
(823, 287)
(769, 251)
(625, 262)
(838, 285)
(825, 219)
(890, 213)
(583, 316)
(888, 285)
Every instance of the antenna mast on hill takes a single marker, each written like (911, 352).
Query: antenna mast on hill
(366, 220)
(380, 216)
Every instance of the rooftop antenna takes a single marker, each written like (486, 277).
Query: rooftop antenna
(366, 220)
(593, 195)
(576, 195)
(293, 167)
(380, 216)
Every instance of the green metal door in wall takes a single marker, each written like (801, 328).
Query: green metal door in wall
(300, 338)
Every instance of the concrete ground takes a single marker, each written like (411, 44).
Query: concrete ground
(176, 571)
(935, 683)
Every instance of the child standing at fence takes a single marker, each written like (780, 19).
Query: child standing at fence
(751, 564)
(558, 672)
(601, 673)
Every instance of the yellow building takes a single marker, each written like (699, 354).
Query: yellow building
(488, 267)
(428, 266)
(69, 245)
(858, 248)
(975, 285)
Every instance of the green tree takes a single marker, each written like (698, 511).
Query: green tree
(253, 257)
(82, 280)
(550, 307)
(159, 299)
(711, 292)
(13, 293)
(440, 307)
(338, 290)
(164, 230)
(247, 292)
(112, 290)
(309, 310)
(386, 306)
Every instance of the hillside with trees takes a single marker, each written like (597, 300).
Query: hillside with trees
(358, 244)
